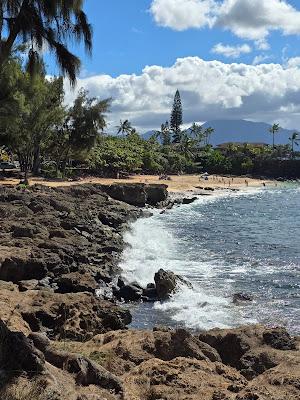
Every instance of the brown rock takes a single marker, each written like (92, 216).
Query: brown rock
(17, 354)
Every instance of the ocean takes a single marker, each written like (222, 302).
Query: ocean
(230, 242)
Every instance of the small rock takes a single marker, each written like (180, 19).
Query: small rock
(241, 297)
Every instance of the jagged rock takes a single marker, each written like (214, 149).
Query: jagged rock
(75, 282)
(279, 339)
(166, 283)
(76, 316)
(150, 294)
(130, 293)
(254, 364)
(40, 341)
(17, 354)
(137, 194)
(86, 371)
(245, 348)
(61, 231)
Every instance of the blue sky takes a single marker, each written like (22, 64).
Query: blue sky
(126, 39)
(210, 37)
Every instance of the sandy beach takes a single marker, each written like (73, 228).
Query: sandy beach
(178, 183)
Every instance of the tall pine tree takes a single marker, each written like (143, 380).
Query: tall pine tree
(176, 118)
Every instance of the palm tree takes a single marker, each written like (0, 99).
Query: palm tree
(164, 134)
(275, 128)
(197, 132)
(38, 24)
(294, 139)
(187, 144)
(124, 127)
(207, 134)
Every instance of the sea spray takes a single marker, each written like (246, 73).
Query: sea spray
(224, 244)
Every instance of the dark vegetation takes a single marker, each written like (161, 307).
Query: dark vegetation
(48, 138)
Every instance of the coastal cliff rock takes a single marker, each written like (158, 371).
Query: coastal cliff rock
(61, 234)
(137, 194)
(59, 341)
(252, 350)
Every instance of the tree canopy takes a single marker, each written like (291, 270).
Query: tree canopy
(176, 118)
(40, 23)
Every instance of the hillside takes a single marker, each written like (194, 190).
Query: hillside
(241, 131)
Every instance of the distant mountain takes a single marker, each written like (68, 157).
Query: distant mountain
(245, 131)
(147, 135)
(241, 131)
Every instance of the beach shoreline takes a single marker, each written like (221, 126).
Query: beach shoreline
(176, 183)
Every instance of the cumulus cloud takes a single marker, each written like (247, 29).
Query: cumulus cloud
(183, 14)
(209, 90)
(253, 19)
(231, 51)
(248, 19)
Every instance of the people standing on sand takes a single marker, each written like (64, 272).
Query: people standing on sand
(247, 183)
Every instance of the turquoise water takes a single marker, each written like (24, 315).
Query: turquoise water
(247, 241)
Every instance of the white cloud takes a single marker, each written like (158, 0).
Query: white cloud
(260, 58)
(262, 44)
(248, 19)
(293, 62)
(209, 89)
(254, 19)
(231, 51)
(183, 14)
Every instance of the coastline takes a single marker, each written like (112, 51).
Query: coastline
(122, 364)
(178, 183)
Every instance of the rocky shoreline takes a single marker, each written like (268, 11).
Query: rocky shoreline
(58, 341)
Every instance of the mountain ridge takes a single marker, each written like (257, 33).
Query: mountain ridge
(240, 130)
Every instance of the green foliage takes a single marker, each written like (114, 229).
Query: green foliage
(28, 110)
(133, 154)
(176, 118)
(275, 128)
(39, 22)
(114, 154)
(78, 133)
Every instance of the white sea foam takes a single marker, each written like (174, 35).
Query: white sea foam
(151, 247)
(159, 242)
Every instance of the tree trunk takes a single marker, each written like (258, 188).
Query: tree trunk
(36, 168)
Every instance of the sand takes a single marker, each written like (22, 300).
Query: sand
(178, 183)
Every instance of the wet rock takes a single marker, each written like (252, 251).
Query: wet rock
(166, 283)
(242, 297)
(150, 294)
(122, 282)
(279, 339)
(130, 293)
(188, 200)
